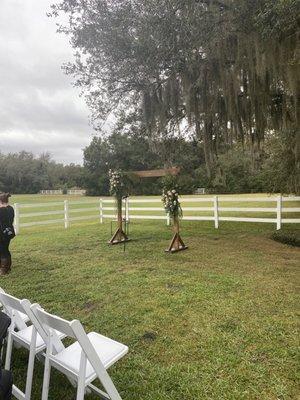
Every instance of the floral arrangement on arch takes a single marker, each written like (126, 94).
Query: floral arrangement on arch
(116, 183)
(172, 206)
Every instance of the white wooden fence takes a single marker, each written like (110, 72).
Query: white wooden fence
(101, 209)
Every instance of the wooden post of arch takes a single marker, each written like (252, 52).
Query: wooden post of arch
(177, 243)
(119, 236)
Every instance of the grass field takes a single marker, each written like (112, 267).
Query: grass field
(218, 321)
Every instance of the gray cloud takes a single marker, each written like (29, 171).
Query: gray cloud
(39, 109)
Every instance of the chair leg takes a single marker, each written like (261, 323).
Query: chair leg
(80, 390)
(29, 375)
(81, 377)
(46, 380)
(8, 351)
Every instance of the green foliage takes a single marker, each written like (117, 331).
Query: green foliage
(278, 18)
(228, 69)
(234, 173)
(280, 171)
(170, 182)
(131, 151)
(289, 238)
(24, 173)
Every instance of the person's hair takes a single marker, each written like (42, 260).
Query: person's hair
(4, 197)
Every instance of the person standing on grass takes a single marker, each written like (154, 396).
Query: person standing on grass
(7, 233)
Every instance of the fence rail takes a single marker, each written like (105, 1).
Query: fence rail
(100, 209)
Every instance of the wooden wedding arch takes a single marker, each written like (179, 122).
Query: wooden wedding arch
(120, 236)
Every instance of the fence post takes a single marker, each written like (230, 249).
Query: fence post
(66, 210)
(17, 218)
(127, 209)
(216, 211)
(279, 212)
(101, 210)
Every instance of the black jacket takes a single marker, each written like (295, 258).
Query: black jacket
(7, 215)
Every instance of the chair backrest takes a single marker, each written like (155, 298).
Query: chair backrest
(41, 327)
(75, 330)
(24, 306)
(54, 322)
(12, 302)
(28, 307)
(13, 308)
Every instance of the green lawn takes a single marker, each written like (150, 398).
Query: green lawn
(217, 321)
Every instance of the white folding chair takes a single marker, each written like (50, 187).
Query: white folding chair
(25, 336)
(86, 359)
(19, 317)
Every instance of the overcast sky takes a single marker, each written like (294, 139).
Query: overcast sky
(39, 109)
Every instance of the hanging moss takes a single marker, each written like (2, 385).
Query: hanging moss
(240, 86)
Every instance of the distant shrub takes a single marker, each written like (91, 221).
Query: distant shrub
(290, 238)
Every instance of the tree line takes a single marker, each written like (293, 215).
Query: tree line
(130, 150)
(24, 173)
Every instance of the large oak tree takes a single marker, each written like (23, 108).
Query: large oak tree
(227, 68)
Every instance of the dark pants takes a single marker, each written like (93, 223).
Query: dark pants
(5, 385)
(4, 248)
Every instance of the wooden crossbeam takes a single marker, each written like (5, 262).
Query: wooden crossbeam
(156, 173)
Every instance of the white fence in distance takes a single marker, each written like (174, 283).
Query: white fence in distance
(105, 209)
